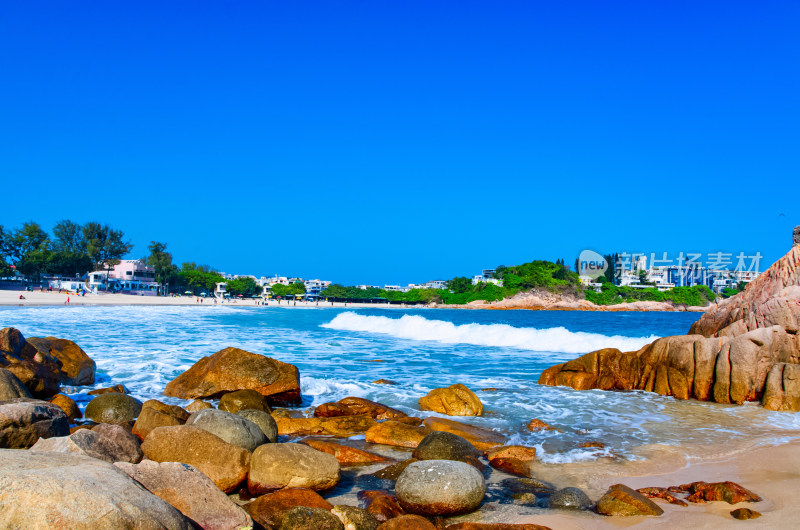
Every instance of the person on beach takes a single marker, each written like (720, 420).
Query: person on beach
(67, 302)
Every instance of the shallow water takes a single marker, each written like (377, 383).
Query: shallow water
(340, 352)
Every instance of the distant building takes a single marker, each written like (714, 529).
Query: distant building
(314, 288)
(396, 288)
(482, 278)
(129, 276)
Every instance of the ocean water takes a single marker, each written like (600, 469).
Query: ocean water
(341, 352)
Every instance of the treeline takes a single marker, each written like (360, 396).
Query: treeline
(698, 295)
(71, 250)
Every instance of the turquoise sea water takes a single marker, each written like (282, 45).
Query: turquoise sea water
(340, 352)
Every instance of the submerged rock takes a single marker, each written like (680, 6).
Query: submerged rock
(233, 369)
(440, 487)
(455, 400)
(118, 388)
(662, 493)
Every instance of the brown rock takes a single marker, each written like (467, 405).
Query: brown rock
(384, 382)
(268, 510)
(393, 471)
(130, 446)
(441, 445)
(234, 369)
(496, 526)
(539, 425)
(246, 399)
(355, 518)
(381, 505)
(222, 462)
(745, 513)
(395, 433)
(66, 404)
(11, 387)
(620, 500)
(39, 371)
(342, 426)
(305, 518)
(782, 388)
(114, 408)
(157, 414)
(24, 421)
(730, 492)
(346, 455)
(190, 492)
(353, 406)
(77, 368)
(482, 439)
(514, 459)
(455, 400)
(410, 420)
(196, 405)
(119, 389)
(407, 522)
(661, 493)
(289, 465)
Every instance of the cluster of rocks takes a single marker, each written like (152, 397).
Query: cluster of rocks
(246, 464)
(746, 348)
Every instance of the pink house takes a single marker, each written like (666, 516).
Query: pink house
(130, 276)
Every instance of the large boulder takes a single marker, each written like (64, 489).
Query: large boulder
(624, 501)
(440, 487)
(264, 420)
(39, 371)
(55, 490)
(130, 445)
(481, 438)
(157, 414)
(113, 407)
(68, 405)
(447, 446)
(77, 368)
(455, 400)
(232, 428)
(23, 422)
(782, 388)
(234, 369)
(86, 442)
(570, 499)
(341, 426)
(396, 433)
(222, 462)
(268, 510)
(233, 402)
(354, 406)
(190, 492)
(289, 465)
(305, 518)
(11, 387)
(514, 459)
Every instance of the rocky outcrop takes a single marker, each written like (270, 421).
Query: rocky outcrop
(89, 443)
(233, 369)
(24, 421)
(190, 492)
(440, 487)
(276, 466)
(381, 505)
(222, 462)
(455, 400)
(39, 372)
(55, 490)
(77, 368)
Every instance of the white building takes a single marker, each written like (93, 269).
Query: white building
(315, 287)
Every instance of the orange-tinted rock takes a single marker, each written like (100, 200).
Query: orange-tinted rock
(455, 400)
(119, 389)
(353, 406)
(225, 464)
(730, 492)
(410, 420)
(482, 439)
(407, 522)
(39, 371)
(235, 369)
(384, 382)
(396, 433)
(66, 404)
(268, 510)
(290, 465)
(620, 500)
(745, 513)
(381, 504)
(539, 425)
(514, 459)
(341, 426)
(393, 471)
(662, 493)
(77, 368)
(346, 455)
(196, 405)
(157, 414)
(245, 399)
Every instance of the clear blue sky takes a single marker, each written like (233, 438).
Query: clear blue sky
(396, 142)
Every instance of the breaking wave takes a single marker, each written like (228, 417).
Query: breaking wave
(415, 327)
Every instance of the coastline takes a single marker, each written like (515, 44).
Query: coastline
(526, 301)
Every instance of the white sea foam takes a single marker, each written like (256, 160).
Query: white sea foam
(415, 327)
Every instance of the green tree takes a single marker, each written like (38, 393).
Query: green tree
(105, 245)
(161, 261)
(71, 264)
(68, 237)
(35, 263)
(245, 286)
(460, 284)
(26, 239)
(295, 289)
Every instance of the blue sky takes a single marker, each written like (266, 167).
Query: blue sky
(396, 142)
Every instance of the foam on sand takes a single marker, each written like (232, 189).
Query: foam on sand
(556, 339)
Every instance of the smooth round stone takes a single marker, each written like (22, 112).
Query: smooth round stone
(570, 499)
(264, 420)
(440, 487)
(233, 429)
(114, 408)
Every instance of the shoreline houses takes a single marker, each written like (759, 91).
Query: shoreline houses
(129, 276)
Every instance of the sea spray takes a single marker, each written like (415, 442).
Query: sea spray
(415, 327)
